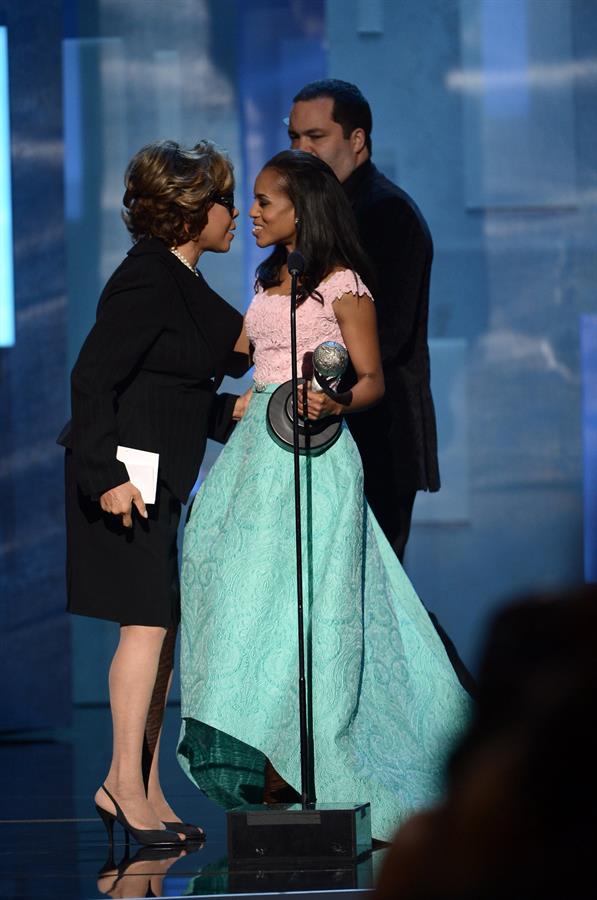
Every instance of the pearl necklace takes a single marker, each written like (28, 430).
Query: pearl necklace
(184, 260)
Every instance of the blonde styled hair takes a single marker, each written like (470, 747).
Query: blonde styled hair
(170, 190)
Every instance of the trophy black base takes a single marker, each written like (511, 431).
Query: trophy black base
(322, 835)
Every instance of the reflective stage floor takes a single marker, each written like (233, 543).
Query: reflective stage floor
(53, 845)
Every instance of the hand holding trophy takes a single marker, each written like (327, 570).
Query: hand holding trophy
(330, 360)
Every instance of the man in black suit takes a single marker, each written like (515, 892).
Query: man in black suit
(397, 439)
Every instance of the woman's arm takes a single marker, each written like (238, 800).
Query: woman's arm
(358, 325)
(242, 360)
(131, 316)
(243, 345)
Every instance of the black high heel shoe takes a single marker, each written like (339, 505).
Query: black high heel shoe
(146, 836)
(194, 833)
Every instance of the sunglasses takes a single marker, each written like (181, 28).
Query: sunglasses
(226, 200)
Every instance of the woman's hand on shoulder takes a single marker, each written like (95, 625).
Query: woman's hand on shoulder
(119, 501)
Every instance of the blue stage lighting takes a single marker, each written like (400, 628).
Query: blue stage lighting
(7, 315)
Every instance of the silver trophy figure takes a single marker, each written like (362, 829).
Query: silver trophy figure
(330, 360)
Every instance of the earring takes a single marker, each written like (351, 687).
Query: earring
(296, 221)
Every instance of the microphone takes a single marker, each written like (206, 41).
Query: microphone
(330, 360)
(296, 263)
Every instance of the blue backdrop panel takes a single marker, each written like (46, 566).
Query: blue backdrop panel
(519, 113)
(35, 643)
(281, 48)
(7, 330)
(449, 358)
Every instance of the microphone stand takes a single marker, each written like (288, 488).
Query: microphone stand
(314, 835)
(296, 265)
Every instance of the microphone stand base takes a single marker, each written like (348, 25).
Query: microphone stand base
(319, 835)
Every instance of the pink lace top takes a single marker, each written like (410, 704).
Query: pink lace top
(268, 326)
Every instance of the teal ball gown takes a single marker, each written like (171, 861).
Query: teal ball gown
(385, 706)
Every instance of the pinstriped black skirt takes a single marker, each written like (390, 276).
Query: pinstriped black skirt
(125, 575)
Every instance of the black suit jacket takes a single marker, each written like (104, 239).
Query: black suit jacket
(400, 432)
(147, 374)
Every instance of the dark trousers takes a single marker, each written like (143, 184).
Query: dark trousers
(393, 510)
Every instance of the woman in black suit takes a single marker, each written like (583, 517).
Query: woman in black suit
(146, 378)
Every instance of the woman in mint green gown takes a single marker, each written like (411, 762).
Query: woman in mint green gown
(385, 705)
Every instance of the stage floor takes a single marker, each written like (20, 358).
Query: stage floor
(53, 845)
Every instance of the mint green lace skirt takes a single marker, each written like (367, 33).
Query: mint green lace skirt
(384, 702)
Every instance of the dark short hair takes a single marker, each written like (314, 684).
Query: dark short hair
(170, 189)
(326, 231)
(350, 110)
